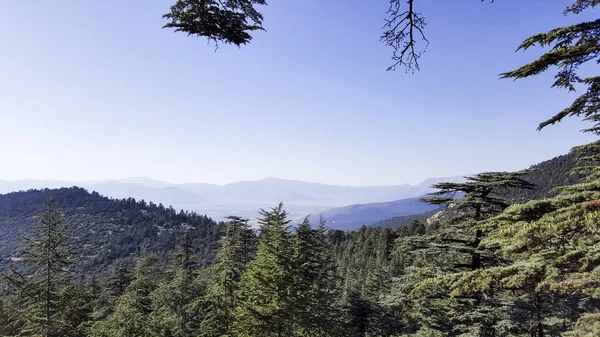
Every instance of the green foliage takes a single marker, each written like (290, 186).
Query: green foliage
(317, 302)
(45, 303)
(546, 176)
(105, 231)
(571, 47)
(267, 287)
(452, 247)
(177, 308)
(134, 308)
(228, 21)
(475, 268)
(544, 275)
(238, 248)
(483, 266)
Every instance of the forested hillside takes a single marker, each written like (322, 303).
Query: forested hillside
(104, 230)
(288, 279)
(504, 257)
(399, 221)
(546, 176)
(283, 279)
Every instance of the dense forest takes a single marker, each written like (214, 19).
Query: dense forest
(105, 231)
(502, 258)
(478, 267)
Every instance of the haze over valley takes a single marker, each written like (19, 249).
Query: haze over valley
(437, 183)
(246, 198)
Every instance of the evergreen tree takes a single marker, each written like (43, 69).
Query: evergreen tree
(119, 280)
(233, 22)
(222, 22)
(571, 48)
(133, 309)
(358, 313)
(46, 297)
(552, 246)
(8, 326)
(317, 296)
(177, 301)
(481, 199)
(267, 287)
(453, 248)
(238, 248)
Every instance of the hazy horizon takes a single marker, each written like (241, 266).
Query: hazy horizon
(129, 179)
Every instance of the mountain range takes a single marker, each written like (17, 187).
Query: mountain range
(353, 216)
(268, 190)
(245, 198)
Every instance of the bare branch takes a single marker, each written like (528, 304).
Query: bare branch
(402, 29)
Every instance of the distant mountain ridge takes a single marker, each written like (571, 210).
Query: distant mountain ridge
(266, 191)
(354, 216)
(546, 176)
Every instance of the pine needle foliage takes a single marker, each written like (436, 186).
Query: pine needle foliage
(44, 288)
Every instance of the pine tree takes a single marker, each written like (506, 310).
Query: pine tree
(177, 302)
(133, 309)
(238, 248)
(571, 48)
(119, 280)
(452, 248)
(45, 297)
(552, 249)
(317, 296)
(267, 287)
(8, 326)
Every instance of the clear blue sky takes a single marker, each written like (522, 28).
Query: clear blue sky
(95, 90)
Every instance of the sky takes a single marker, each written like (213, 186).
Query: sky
(97, 90)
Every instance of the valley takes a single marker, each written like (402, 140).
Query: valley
(246, 198)
(357, 101)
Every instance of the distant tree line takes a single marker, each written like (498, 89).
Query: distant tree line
(483, 266)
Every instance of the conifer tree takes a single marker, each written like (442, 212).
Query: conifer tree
(552, 249)
(7, 324)
(119, 280)
(45, 297)
(133, 308)
(453, 248)
(177, 301)
(267, 287)
(317, 296)
(480, 200)
(571, 47)
(238, 248)
(358, 313)
(101, 303)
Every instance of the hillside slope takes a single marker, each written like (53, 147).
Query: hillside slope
(546, 176)
(104, 230)
(354, 216)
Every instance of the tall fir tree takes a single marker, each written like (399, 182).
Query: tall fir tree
(238, 248)
(45, 293)
(133, 309)
(178, 309)
(267, 287)
(317, 300)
